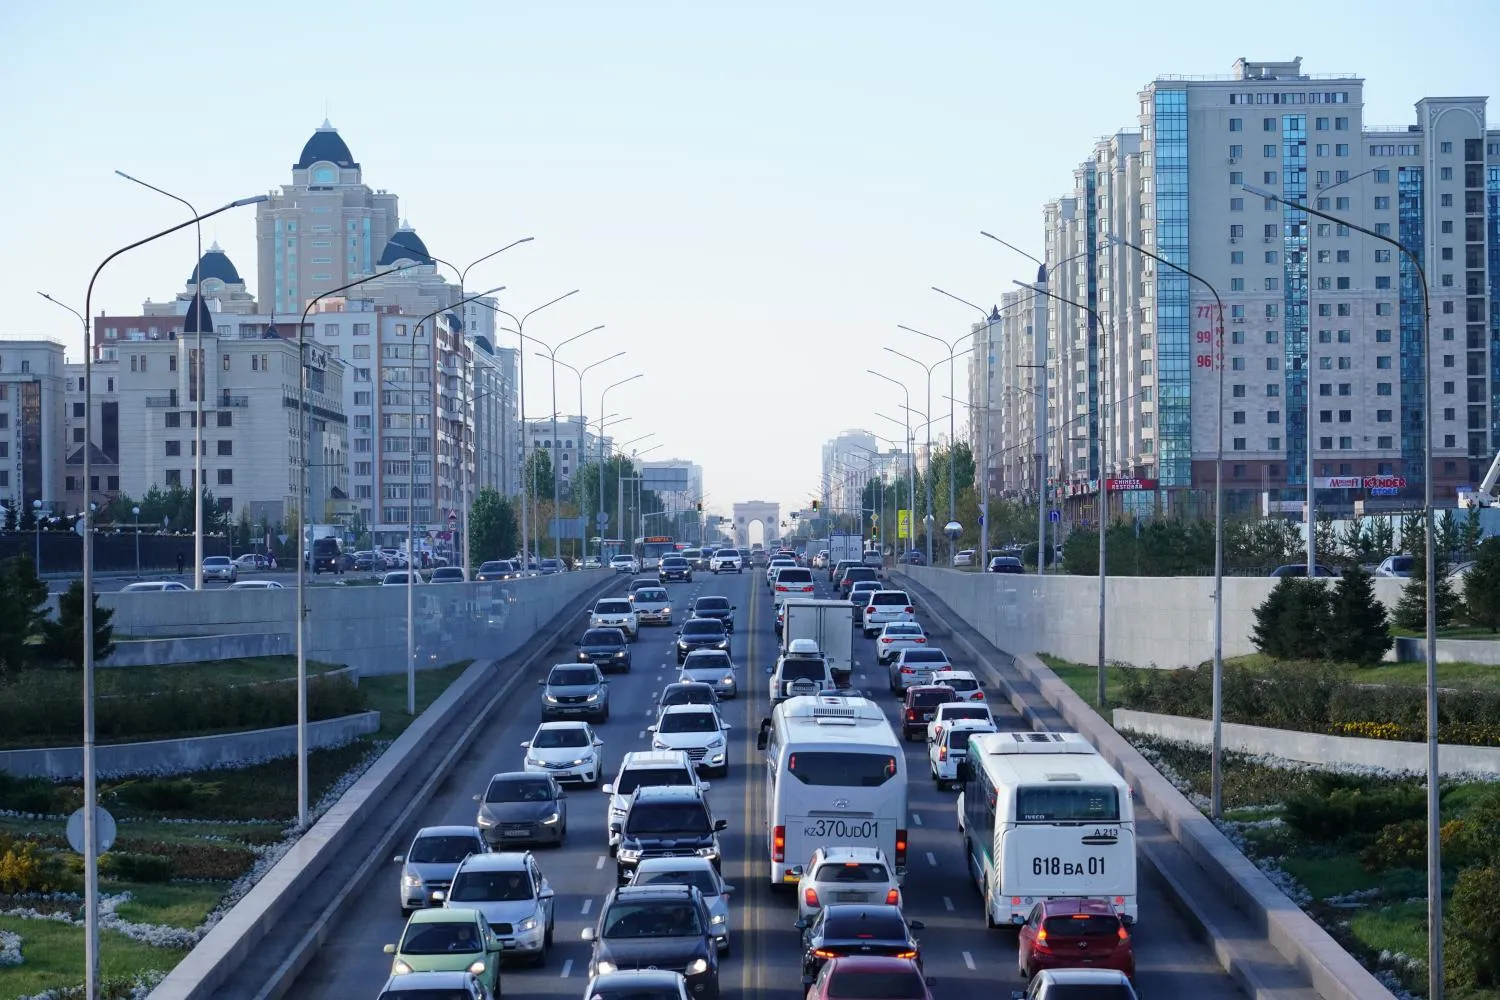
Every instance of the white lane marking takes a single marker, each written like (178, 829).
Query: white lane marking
(947, 904)
(599, 865)
(641, 735)
(588, 904)
(916, 818)
(568, 967)
(931, 859)
(969, 961)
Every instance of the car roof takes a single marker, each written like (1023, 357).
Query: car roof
(873, 963)
(716, 622)
(673, 864)
(903, 626)
(500, 861)
(448, 831)
(675, 685)
(655, 758)
(215, 559)
(1063, 906)
(930, 687)
(890, 590)
(689, 709)
(1084, 977)
(669, 792)
(414, 981)
(619, 633)
(566, 724)
(439, 915)
(661, 890)
(957, 674)
(590, 666)
(843, 853)
(635, 978)
(848, 910)
(929, 650)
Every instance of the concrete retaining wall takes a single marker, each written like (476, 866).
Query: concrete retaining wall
(1485, 651)
(194, 753)
(199, 649)
(1150, 621)
(1314, 748)
(363, 627)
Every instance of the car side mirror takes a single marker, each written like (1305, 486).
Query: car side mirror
(651, 729)
(726, 727)
(607, 789)
(478, 798)
(562, 793)
(543, 681)
(931, 980)
(721, 825)
(801, 924)
(598, 742)
(587, 934)
(734, 607)
(546, 893)
(389, 949)
(525, 744)
(1017, 995)
(401, 858)
(797, 870)
(770, 670)
(916, 925)
(727, 889)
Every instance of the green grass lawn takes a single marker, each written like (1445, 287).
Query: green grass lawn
(1084, 679)
(387, 695)
(53, 956)
(255, 669)
(1454, 675)
(179, 904)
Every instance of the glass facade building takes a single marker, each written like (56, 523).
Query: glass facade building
(1174, 330)
(1413, 324)
(1294, 318)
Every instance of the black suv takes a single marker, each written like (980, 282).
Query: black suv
(674, 568)
(665, 821)
(575, 691)
(701, 633)
(713, 607)
(657, 927)
(606, 648)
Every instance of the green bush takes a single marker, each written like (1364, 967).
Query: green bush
(25, 866)
(127, 867)
(1338, 808)
(197, 860)
(1472, 929)
(167, 795)
(1399, 845)
(1293, 619)
(1356, 630)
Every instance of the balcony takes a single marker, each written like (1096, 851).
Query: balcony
(168, 401)
(226, 400)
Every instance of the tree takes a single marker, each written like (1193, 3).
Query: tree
(1382, 538)
(1482, 585)
(23, 613)
(28, 518)
(1325, 534)
(1450, 535)
(1357, 630)
(243, 532)
(492, 526)
(538, 475)
(10, 517)
(65, 636)
(1473, 533)
(1411, 610)
(1293, 619)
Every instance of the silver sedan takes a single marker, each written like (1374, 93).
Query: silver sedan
(713, 667)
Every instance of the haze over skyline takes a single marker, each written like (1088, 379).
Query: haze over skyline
(749, 197)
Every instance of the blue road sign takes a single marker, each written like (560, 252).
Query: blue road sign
(1054, 515)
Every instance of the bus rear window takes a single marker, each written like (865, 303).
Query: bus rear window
(1068, 804)
(836, 768)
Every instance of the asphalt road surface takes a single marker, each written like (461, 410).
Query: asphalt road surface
(964, 957)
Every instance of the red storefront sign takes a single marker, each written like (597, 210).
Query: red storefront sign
(1129, 485)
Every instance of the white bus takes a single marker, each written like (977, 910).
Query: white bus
(1043, 815)
(835, 775)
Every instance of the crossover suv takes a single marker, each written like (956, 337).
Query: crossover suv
(514, 897)
(883, 607)
(574, 691)
(429, 863)
(801, 670)
(497, 569)
(701, 633)
(606, 648)
(519, 807)
(643, 769)
(792, 581)
(616, 612)
(657, 927)
(636, 984)
(726, 561)
(922, 701)
(666, 821)
(951, 748)
(674, 568)
(845, 875)
(698, 731)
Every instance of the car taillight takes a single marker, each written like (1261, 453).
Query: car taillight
(977, 696)
(911, 715)
(870, 610)
(806, 589)
(942, 753)
(1123, 934)
(910, 611)
(907, 670)
(922, 639)
(780, 589)
(886, 638)
(900, 848)
(824, 953)
(893, 897)
(1041, 941)
(778, 844)
(909, 953)
(810, 897)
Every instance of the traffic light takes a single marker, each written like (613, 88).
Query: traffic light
(875, 531)
(700, 506)
(815, 505)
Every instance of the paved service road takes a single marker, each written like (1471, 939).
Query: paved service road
(965, 958)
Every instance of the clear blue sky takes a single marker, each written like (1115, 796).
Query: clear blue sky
(750, 195)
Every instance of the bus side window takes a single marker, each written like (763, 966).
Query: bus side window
(763, 738)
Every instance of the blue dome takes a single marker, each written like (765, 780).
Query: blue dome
(325, 145)
(405, 244)
(198, 319)
(216, 264)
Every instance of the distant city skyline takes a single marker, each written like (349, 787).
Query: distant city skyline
(745, 201)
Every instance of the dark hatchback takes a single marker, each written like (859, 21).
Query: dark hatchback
(701, 633)
(674, 568)
(714, 607)
(856, 929)
(921, 705)
(606, 648)
(664, 927)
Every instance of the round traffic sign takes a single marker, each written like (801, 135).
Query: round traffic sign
(104, 830)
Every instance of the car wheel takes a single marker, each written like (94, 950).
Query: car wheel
(603, 716)
(405, 913)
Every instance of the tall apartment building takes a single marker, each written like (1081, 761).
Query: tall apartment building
(843, 455)
(104, 440)
(688, 471)
(323, 230)
(32, 444)
(573, 444)
(1312, 309)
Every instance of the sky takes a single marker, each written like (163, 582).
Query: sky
(750, 196)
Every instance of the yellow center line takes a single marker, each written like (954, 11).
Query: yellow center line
(752, 886)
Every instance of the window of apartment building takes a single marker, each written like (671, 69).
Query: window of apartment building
(171, 362)
(1448, 308)
(1325, 416)
(1268, 124)
(1235, 152)
(1270, 151)
(1382, 361)
(1272, 336)
(362, 399)
(1447, 361)
(1447, 281)
(1326, 443)
(78, 435)
(1321, 149)
(1237, 232)
(1345, 336)
(1383, 282)
(1238, 416)
(1346, 389)
(1236, 336)
(1325, 283)
(1269, 230)
(1382, 388)
(1236, 256)
(1445, 173)
(1271, 257)
(1384, 441)
(1382, 229)
(1236, 178)
(1447, 388)
(226, 419)
(1237, 391)
(361, 352)
(226, 447)
(172, 477)
(1272, 364)
(1324, 230)
(1273, 416)
(1445, 147)
(1341, 124)
(1341, 149)
(1236, 204)
(1237, 364)
(226, 477)
(361, 374)
(1236, 284)
(1273, 389)
(1273, 444)
(174, 448)
(1322, 178)
(1239, 444)
(1268, 177)
(1320, 124)
(1449, 441)
(1346, 416)
(1273, 284)
(1272, 310)
(361, 468)
(1236, 124)
(1237, 312)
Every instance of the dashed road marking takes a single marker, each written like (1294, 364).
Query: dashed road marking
(588, 904)
(641, 735)
(599, 865)
(931, 859)
(916, 818)
(947, 904)
(567, 968)
(969, 961)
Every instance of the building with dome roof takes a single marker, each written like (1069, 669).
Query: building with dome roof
(324, 229)
(223, 289)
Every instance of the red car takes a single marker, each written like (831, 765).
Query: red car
(870, 977)
(1068, 933)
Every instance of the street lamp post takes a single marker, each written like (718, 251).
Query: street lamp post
(1434, 838)
(1216, 768)
(136, 513)
(90, 779)
(929, 369)
(619, 510)
(551, 354)
(953, 352)
(984, 466)
(911, 482)
(581, 372)
(36, 523)
(520, 331)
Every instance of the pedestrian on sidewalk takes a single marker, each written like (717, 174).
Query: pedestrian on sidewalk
(179, 564)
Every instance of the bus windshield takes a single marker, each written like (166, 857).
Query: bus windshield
(1067, 804)
(839, 768)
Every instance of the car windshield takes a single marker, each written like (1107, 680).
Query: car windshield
(573, 677)
(903, 630)
(440, 850)
(688, 722)
(842, 768)
(603, 637)
(889, 597)
(634, 778)
(687, 694)
(622, 559)
(924, 656)
(727, 553)
(490, 887)
(648, 595)
(216, 561)
(852, 871)
(700, 878)
(612, 608)
(803, 669)
(711, 604)
(560, 738)
(703, 628)
(652, 920)
(794, 576)
(441, 939)
(1082, 925)
(857, 591)
(905, 984)
(519, 790)
(668, 817)
(862, 924)
(433, 993)
(1089, 991)
(709, 660)
(632, 993)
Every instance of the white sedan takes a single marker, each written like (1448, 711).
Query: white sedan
(625, 564)
(256, 585)
(569, 751)
(896, 636)
(845, 875)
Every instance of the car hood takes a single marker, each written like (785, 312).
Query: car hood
(652, 605)
(612, 616)
(684, 741)
(433, 871)
(519, 812)
(700, 640)
(560, 753)
(574, 690)
(684, 842)
(713, 612)
(508, 912)
(632, 953)
(594, 650)
(706, 674)
(450, 962)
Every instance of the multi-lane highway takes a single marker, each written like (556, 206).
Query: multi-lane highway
(964, 957)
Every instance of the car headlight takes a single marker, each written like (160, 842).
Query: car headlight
(529, 924)
(717, 918)
(595, 695)
(604, 967)
(628, 854)
(666, 611)
(411, 881)
(537, 761)
(399, 967)
(550, 699)
(696, 966)
(619, 654)
(579, 761)
(729, 679)
(707, 852)
(682, 644)
(722, 644)
(552, 817)
(485, 819)
(659, 745)
(715, 743)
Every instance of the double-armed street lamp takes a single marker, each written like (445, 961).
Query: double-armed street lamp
(551, 354)
(580, 373)
(601, 519)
